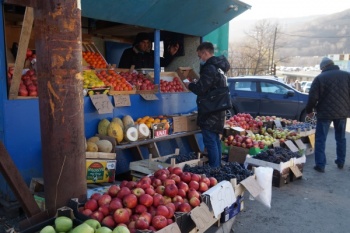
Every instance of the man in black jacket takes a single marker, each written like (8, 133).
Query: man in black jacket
(141, 54)
(330, 96)
(211, 124)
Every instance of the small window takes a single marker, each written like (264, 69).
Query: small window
(245, 86)
(269, 87)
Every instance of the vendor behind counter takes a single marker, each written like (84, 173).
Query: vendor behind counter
(141, 54)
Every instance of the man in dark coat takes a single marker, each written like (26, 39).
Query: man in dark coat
(141, 54)
(330, 97)
(211, 124)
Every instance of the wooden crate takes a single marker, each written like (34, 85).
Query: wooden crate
(169, 76)
(91, 47)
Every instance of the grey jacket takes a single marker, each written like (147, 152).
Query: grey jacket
(329, 94)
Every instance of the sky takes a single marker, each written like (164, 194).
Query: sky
(291, 8)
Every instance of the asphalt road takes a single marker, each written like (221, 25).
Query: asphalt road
(319, 202)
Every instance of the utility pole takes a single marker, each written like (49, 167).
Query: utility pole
(57, 27)
(273, 48)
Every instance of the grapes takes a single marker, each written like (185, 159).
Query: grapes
(226, 171)
(182, 157)
(277, 155)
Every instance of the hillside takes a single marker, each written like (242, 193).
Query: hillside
(306, 36)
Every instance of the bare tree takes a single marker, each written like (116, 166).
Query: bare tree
(258, 52)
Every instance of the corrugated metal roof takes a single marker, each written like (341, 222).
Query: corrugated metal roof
(191, 17)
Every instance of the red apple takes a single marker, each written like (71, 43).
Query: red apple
(86, 212)
(96, 196)
(123, 183)
(143, 184)
(123, 192)
(91, 204)
(167, 200)
(171, 205)
(108, 221)
(147, 216)
(150, 191)
(104, 209)
(195, 177)
(130, 201)
(97, 215)
(203, 186)
(183, 185)
(194, 201)
(178, 198)
(171, 190)
(160, 189)
(158, 199)
(156, 182)
(141, 224)
(181, 193)
(194, 184)
(192, 193)
(138, 192)
(185, 207)
(186, 177)
(104, 199)
(121, 215)
(146, 200)
(168, 181)
(159, 222)
(115, 204)
(162, 210)
(213, 181)
(177, 171)
(205, 180)
(175, 177)
(113, 190)
(139, 209)
(131, 184)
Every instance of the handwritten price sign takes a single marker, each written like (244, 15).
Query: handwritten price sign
(121, 100)
(102, 103)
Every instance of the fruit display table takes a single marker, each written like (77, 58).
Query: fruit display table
(152, 146)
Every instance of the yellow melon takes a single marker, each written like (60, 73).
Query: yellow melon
(93, 139)
(91, 147)
(115, 130)
(104, 146)
(119, 121)
(102, 126)
(128, 122)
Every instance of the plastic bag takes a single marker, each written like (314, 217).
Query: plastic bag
(264, 179)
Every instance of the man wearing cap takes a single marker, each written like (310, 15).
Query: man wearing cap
(141, 55)
(329, 96)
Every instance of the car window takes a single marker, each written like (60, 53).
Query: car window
(245, 86)
(276, 88)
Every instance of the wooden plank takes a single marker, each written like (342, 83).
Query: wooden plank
(21, 53)
(17, 183)
(153, 149)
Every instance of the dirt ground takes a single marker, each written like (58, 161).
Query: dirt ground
(319, 202)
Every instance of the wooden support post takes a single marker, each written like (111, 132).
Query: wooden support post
(21, 52)
(61, 101)
(17, 184)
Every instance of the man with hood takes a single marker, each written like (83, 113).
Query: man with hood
(141, 54)
(211, 124)
(329, 96)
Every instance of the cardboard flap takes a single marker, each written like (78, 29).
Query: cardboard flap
(278, 124)
(300, 144)
(221, 196)
(296, 171)
(312, 140)
(291, 146)
(202, 217)
(172, 228)
(252, 185)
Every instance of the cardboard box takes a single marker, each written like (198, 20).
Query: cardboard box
(160, 130)
(187, 73)
(184, 123)
(238, 154)
(233, 210)
(100, 167)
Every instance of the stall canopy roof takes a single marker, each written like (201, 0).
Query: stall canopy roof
(191, 17)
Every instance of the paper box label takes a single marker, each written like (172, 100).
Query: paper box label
(202, 217)
(98, 171)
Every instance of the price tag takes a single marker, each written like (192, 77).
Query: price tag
(278, 124)
(149, 96)
(102, 103)
(121, 100)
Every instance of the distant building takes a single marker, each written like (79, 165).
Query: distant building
(341, 60)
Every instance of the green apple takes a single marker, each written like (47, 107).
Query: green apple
(103, 230)
(93, 223)
(121, 229)
(48, 229)
(83, 228)
(63, 224)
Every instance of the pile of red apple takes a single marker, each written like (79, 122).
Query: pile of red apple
(28, 85)
(139, 80)
(243, 141)
(171, 86)
(245, 121)
(30, 55)
(150, 203)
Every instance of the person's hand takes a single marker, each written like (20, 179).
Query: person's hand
(311, 114)
(173, 49)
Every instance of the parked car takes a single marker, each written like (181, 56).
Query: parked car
(265, 96)
(306, 87)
